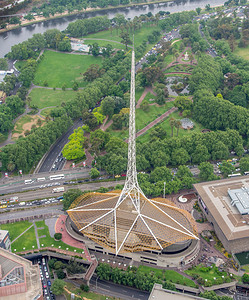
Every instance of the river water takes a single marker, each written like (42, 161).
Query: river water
(21, 34)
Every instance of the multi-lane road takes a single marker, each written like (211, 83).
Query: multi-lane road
(53, 154)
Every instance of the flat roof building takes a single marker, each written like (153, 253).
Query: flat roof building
(226, 204)
(19, 279)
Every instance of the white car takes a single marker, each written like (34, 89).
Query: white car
(47, 276)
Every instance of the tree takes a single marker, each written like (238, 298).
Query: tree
(58, 236)
(60, 274)
(198, 10)
(84, 287)
(226, 168)
(245, 278)
(172, 124)
(94, 49)
(179, 156)
(183, 102)
(108, 106)
(69, 196)
(94, 173)
(3, 64)
(125, 38)
(206, 171)
(93, 72)
(244, 164)
(58, 287)
(74, 148)
(161, 174)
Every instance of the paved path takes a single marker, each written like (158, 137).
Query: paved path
(67, 239)
(51, 225)
(22, 233)
(108, 124)
(36, 235)
(40, 110)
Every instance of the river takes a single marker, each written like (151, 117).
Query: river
(21, 34)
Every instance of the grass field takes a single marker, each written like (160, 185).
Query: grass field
(27, 240)
(16, 229)
(48, 241)
(45, 98)
(143, 118)
(61, 68)
(243, 52)
(115, 44)
(165, 125)
(209, 275)
(169, 275)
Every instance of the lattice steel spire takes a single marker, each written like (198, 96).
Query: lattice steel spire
(131, 188)
(127, 221)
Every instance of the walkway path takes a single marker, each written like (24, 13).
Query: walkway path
(67, 239)
(36, 235)
(145, 92)
(22, 233)
(105, 126)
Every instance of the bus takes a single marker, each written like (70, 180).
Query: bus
(234, 175)
(41, 179)
(246, 173)
(59, 189)
(56, 177)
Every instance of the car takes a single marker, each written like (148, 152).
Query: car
(45, 292)
(45, 269)
(44, 285)
(59, 198)
(80, 181)
(47, 276)
(49, 283)
(65, 183)
(53, 166)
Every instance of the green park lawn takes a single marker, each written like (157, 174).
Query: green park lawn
(169, 275)
(115, 44)
(27, 240)
(62, 68)
(46, 98)
(165, 125)
(143, 118)
(140, 35)
(209, 275)
(15, 229)
(48, 241)
(243, 52)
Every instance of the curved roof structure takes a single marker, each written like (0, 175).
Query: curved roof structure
(122, 227)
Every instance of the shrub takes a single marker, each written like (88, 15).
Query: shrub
(84, 287)
(58, 236)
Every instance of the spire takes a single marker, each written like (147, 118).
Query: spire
(131, 187)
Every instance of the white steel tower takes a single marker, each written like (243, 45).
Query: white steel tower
(127, 221)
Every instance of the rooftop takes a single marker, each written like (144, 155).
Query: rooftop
(240, 198)
(158, 293)
(3, 234)
(215, 196)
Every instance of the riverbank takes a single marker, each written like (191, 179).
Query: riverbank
(88, 10)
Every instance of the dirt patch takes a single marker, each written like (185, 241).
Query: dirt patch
(27, 126)
(189, 196)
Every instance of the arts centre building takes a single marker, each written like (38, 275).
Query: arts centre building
(128, 224)
(225, 203)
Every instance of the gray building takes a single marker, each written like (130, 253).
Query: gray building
(5, 239)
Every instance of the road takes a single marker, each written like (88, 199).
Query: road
(28, 193)
(55, 210)
(56, 149)
(115, 290)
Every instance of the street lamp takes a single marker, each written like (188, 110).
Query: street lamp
(164, 184)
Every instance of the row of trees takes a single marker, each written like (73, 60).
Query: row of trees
(83, 27)
(27, 151)
(175, 151)
(131, 277)
(31, 48)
